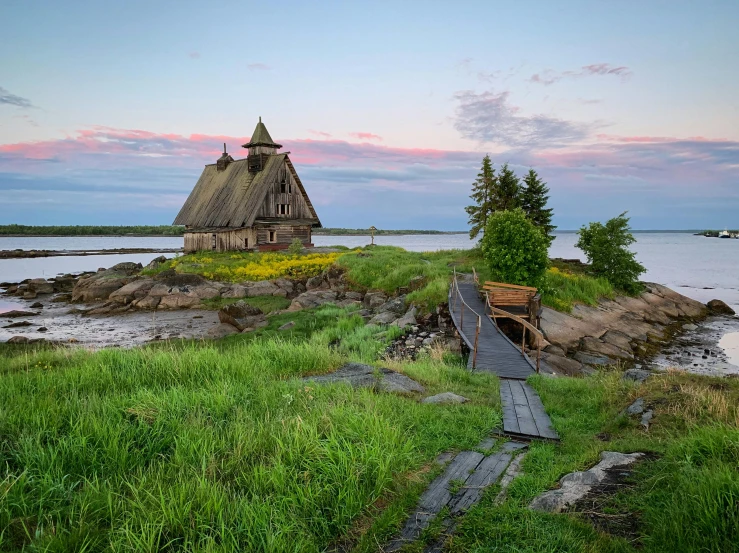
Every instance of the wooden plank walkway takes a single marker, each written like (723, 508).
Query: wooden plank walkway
(523, 413)
(495, 352)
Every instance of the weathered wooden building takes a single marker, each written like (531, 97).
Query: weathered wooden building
(257, 203)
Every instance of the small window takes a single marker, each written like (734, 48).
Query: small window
(213, 241)
(272, 236)
(283, 209)
(283, 187)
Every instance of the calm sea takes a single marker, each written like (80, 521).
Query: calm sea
(699, 267)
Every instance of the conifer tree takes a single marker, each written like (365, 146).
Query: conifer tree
(483, 193)
(534, 198)
(507, 190)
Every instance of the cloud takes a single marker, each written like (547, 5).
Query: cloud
(319, 133)
(194, 55)
(13, 100)
(365, 136)
(258, 67)
(143, 176)
(487, 117)
(549, 76)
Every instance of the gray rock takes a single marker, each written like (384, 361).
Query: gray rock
(18, 340)
(576, 485)
(156, 262)
(373, 300)
(395, 305)
(356, 296)
(318, 282)
(384, 318)
(637, 375)
(41, 286)
(593, 360)
(37, 305)
(15, 314)
(555, 350)
(593, 345)
(287, 326)
(260, 288)
(446, 397)
(618, 339)
(19, 324)
(102, 284)
(690, 327)
(406, 320)
(718, 307)
(285, 284)
(636, 408)
(132, 291)
(234, 291)
(380, 379)
(646, 418)
(311, 299)
(221, 331)
(241, 315)
(561, 365)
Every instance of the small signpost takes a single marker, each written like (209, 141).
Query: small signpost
(372, 230)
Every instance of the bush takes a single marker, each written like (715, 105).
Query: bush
(514, 249)
(607, 249)
(296, 246)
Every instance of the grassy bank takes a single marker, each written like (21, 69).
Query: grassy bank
(201, 447)
(92, 230)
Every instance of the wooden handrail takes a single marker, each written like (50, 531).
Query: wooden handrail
(491, 284)
(455, 287)
(526, 326)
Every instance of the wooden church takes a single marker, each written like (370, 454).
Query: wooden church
(257, 203)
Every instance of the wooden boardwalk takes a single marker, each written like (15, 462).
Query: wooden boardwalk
(523, 412)
(495, 352)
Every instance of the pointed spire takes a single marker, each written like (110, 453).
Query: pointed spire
(261, 137)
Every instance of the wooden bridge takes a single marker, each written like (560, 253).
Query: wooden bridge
(492, 351)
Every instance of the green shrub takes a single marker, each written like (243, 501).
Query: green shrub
(607, 249)
(296, 246)
(514, 249)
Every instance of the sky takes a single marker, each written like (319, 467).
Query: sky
(109, 111)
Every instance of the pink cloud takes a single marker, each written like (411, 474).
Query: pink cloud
(365, 136)
(319, 133)
(549, 76)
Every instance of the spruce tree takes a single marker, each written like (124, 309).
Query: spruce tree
(507, 190)
(483, 192)
(534, 198)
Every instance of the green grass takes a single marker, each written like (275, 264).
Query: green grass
(218, 447)
(562, 290)
(685, 500)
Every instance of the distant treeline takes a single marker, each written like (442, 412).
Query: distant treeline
(379, 232)
(91, 230)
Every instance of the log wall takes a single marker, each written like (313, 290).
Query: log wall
(227, 240)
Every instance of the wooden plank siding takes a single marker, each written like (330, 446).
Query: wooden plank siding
(225, 240)
(274, 197)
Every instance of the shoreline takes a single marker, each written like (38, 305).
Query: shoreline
(32, 254)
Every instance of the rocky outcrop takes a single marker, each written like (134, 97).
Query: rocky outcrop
(576, 485)
(313, 298)
(718, 307)
(242, 316)
(615, 331)
(366, 376)
(102, 284)
(444, 398)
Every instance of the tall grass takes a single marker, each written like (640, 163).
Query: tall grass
(204, 447)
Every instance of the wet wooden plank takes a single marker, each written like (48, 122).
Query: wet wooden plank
(487, 473)
(510, 421)
(543, 422)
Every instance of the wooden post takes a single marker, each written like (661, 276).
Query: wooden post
(477, 337)
(523, 341)
(538, 354)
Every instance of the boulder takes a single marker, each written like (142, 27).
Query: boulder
(41, 286)
(260, 288)
(148, 302)
(636, 375)
(59, 298)
(593, 345)
(408, 319)
(373, 300)
(156, 262)
(555, 350)
(356, 296)
(636, 408)
(445, 397)
(102, 284)
(395, 305)
(19, 324)
(311, 299)
(718, 307)
(560, 364)
(18, 340)
(593, 360)
(646, 419)
(170, 278)
(285, 284)
(366, 376)
(384, 318)
(183, 297)
(576, 485)
(241, 315)
(317, 282)
(618, 339)
(221, 331)
(132, 291)
(37, 305)
(287, 326)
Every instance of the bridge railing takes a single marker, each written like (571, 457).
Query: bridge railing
(539, 337)
(457, 303)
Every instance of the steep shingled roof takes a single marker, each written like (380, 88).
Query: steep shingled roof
(232, 197)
